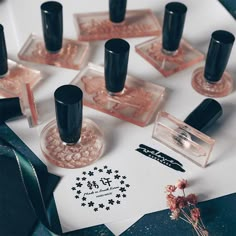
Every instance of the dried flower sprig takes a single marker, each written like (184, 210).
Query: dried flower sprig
(184, 207)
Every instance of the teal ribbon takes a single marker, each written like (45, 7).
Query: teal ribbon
(32, 188)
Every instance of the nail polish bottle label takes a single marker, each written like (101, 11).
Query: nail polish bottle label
(72, 54)
(136, 103)
(11, 83)
(183, 138)
(97, 26)
(183, 58)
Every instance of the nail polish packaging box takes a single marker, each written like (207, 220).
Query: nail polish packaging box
(109, 89)
(53, 49)
(117, 23)
(12, 74)
(187, 138)
(169, 53)
(71, 141)
(212, 80)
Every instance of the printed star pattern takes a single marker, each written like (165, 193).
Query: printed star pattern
(100, 188)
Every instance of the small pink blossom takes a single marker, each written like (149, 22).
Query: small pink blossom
(171, 202)
(175, 214)
(181, 184)
(181, 202)
(170, 188)
(195, 214)
(192, 199)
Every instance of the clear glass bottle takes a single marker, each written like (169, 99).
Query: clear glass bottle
(169, 53)
(71, 141)
(110, 90)
(187, 138)
(212, 80)
(117, 23)
(52, 49)
(13, 74)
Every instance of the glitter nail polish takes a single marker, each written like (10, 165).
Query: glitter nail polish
(109, 89)
(169, 53)
(13, 74)
(117, 23)
(53, 49)
(71, 141)
(212, 80)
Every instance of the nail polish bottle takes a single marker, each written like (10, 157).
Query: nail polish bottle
(52, 49)
(187, 138)
(117, 23)
(20, 106)
(71, 141)
(212, 80)
(110, 90)
(169, 53)
(12, 74)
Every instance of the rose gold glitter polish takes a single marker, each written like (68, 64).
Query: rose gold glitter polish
(53, 49)
(212, 80)
(12, 74)
(117, 23)
(71, 141)
(169, 53)
(110, 90)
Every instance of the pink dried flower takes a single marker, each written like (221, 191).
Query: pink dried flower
(195, 214)
(181, 202)
(175, 214)
(184, 208)
(171, 202)
(170, 188)
(192, 199)
(181, 184)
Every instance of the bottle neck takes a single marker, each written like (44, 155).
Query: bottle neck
(169, 53)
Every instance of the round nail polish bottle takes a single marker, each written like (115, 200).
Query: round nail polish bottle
(116, 65)
(173, 25)
(117, 10)
(212, 80)
(71, 141)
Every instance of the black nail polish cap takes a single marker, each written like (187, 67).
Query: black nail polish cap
(68, 105)
(3, 53)
(10, 108)
(52, 22)
(218, 55)
(204, 115)
(116, 64)
(117, 10)
(173, 25)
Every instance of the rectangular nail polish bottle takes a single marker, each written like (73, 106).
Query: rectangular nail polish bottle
(71, 141)
(117, 23)
(187, 138)
(212, 80)
(12, 74)
(52, 49)
(13, 107)
(169, 53)
(110, 90)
